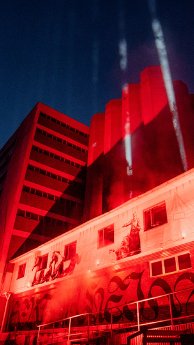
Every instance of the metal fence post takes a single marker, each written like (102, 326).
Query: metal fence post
(69, 332)
(171, 314)
(138, 319)
(37, 341)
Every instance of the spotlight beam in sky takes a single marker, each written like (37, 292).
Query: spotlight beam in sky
(163, 58)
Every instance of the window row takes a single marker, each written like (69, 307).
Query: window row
(62, 141)
(65, 202)
(41, 261)
(170, 264)
(38, 217)
(53, 155)
(49, 174)
(62, 124)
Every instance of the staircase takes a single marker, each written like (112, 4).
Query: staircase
(155, 336)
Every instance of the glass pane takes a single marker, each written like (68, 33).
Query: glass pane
(156, 268)
(21, 271)
(159, 215)
(170, 265)
(43, 262)
(100, 238)
(109, 235)
(147, 220)
(184, 261)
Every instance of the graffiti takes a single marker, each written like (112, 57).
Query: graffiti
(37, 265)
(112, 299)
(130, 244)
(55, 268)
(117, 305)
(28, 312)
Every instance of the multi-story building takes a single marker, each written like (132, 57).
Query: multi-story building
(135, 146)
(57, 173)
(126, 270)
(42, 180)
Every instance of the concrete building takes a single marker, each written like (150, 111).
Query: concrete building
(42, 180)
(134, 145)
(59, 177)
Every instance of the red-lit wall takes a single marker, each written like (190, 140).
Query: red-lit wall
(99, 291)
(12, 189)
(94, 181)
(141, 119)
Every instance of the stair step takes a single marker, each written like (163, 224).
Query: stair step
(155, 336)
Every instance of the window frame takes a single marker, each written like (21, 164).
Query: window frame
(178, 269)
(21, 271)
(67, 251)
(151, 215)
(102, 243)
(43, 267)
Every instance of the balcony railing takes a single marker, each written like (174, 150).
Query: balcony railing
(155, 311)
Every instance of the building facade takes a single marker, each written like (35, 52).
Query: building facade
(42, 180)
(141, 250)
(88, 185)
(134, 146)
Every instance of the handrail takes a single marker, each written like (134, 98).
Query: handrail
(138, 323)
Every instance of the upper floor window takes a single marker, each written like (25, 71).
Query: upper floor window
(106, 236)
(42, 262)
(70, 250)
(169, 265)
(21, 271)
(155, 216)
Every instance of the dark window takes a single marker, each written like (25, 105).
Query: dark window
(170, 265)
(21, 271)
(106, 236)
(155, 216)
(156, 268)
(43, 262)
(70, 251)
(184, 261)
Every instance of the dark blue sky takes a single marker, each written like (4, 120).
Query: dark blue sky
(65, 52)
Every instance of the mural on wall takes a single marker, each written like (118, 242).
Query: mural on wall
(108, 297)
(55, 268)
(130, 244)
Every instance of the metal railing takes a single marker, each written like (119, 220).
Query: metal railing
(168, 309)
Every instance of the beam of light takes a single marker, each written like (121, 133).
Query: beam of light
(123, 61)
(122, 43)
(123, 54)
(163, 58)
(127, 139)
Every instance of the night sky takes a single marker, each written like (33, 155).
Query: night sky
(75, 55)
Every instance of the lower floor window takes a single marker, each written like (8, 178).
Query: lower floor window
(169, 265)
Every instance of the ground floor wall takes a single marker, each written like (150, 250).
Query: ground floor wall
(109, 293)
